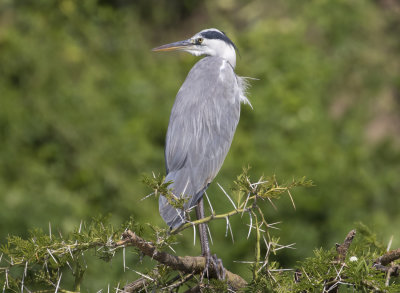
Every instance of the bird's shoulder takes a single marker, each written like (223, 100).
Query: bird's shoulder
(213, 80)
(204, 117)
(212, 66)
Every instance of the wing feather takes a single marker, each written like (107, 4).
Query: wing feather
(200, 131)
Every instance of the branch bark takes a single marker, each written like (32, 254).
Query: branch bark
(332, 285)
(136, 285)
(382, 263)
(342, 248)
(388, 257)
(187, 264)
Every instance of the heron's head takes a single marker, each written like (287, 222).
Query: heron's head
(211, 42)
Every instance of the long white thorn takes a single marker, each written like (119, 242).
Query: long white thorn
(284, 246)
(227, 224)
(22, 283)
(143, 275)
(259, 182)
(291, 198)
(117, 289)
(246, 261)
(147, 196)
(184, 190)
(209, 202)
(70, 252)
(194, 235)
(170, 247)
(26, 268)
(180, 216)
(272, 225)
(69, 265)
(48, 250)
(123, 256)
(251, 225)
(266, 255)
(245, 203)
(50, 230)
(388, 246)
(209, 233)
(272, 204)
(261, 230)
(230, 228)
(58, 283)
(227, 196)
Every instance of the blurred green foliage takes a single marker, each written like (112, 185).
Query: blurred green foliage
(84, 107)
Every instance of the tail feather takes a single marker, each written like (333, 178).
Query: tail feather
(181, 185)
(172, 216)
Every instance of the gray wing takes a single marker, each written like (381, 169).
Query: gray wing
(201, 128)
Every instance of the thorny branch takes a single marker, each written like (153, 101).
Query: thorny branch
(384, 264)
(388, 257)
(187, 264)
(263, 189)
(246, 201)
(209, 219)
(342, 248)
(332, 285)
(61, 253)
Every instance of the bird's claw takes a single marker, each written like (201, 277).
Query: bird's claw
(214, 264)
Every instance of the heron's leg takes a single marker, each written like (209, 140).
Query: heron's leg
(205, 246)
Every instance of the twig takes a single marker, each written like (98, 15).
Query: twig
(140, 283)
(382, 262)
(226, 194)
(209, 219)
(180, 281)
(388, 257)
(187, 264)
(332, 285)
(342, 248)
(258, 249)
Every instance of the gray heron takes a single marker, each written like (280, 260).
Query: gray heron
(202, 124)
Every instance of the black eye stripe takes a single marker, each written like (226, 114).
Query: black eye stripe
(219, 36)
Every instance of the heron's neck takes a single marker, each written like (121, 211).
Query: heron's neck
(223, 50)
(228, 53)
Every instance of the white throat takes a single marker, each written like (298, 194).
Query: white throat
(221, 49)
(216, 48)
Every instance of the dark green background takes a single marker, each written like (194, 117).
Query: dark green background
(84, 108)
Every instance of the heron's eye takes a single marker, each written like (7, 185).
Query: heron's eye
(199, 41)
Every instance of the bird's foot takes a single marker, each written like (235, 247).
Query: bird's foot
(213, 266)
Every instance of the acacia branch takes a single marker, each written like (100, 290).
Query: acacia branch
(210, 218)
(257, 190)
(382, 264)
(342, 248)
(332, 285)
(388, 257)
(136, 285)
(187, 264)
